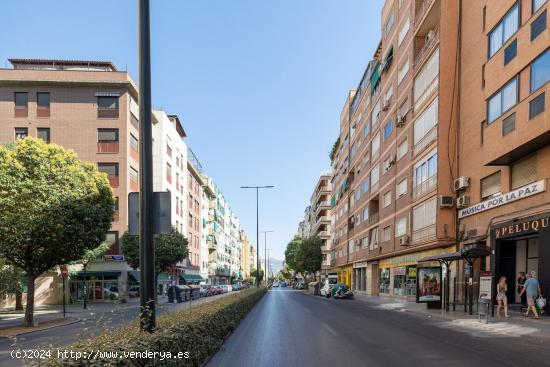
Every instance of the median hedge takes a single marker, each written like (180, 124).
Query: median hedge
(200, 331)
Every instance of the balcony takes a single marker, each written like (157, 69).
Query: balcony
(323, 234)
(109, 113)
(429, 41)
(424, 234)
(425, 141)
(134, 121)
(426, 186)
(373, 218)
(107, 147)
(422, 8)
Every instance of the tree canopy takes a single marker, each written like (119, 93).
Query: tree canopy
(170, 249)
(304, 256)
(53, 208)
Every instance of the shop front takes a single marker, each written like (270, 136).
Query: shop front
(345, 274)
(398, 275)
(359, 281)
(98, 285)
(521, 245)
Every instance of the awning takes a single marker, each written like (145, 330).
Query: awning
(97, 274)
(443, 257)
(375, 78)
(191, 278)
(468, 253)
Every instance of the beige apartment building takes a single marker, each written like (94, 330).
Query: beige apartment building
(504, 137)
(320, 219)
(397, 156)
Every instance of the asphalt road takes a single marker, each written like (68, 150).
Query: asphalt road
(290, 328)
(99, 319)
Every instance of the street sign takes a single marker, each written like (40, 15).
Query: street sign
(64, 271)
(162, 216)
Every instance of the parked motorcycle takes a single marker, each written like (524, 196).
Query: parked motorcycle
(341, 291)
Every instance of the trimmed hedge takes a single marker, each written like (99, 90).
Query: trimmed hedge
(200, 331)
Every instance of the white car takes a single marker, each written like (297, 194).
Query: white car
(326, 291)
(275, 284)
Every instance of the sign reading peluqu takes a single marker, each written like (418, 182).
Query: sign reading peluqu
(517, 194)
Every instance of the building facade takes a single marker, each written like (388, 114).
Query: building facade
(321, 219)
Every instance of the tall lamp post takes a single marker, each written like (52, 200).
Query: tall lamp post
(265, 254)
(257, 228)
(268, 267)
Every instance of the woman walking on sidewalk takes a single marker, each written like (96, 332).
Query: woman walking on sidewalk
(502, 288)
(521, 281)
(531, 287)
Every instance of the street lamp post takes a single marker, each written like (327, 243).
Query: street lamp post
(257, 228)
(265, 254)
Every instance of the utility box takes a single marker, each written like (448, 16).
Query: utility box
(162, 215)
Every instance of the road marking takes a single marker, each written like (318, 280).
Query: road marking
(330, 330)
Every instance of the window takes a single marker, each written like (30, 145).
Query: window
(43, 104)
(366, 185)
(504, 30)
(425, 81)
(403, 70)
(388, 95)
(490, 186)
(352, 152)
(403, 32)
(386, 199)
(111, 239)
(134, 144)
(537, 4)
(21, 104)
(168, 172)
(425, 175)
(388, 129)
(107, 106)
(111, 169)
(401, 227)
(510, 52)
(401, 188)
(107, 140)
(168, 151)
(357, 219)
(402, 149)
(43, 133)
(375, 146)
(134, 175)
(524, 171)
(426, 122)
(540, 71)
(373, 238)
(536, 106)
(386, 233)
(403, 108)
(388, 59)
(503, 100)
(538, 25)
(375, 115)
(375, 175)
(424, 217)
(366, 129)
(366, 213)
(389, 24)
(21, 133)
(357, 195)
(509, 124)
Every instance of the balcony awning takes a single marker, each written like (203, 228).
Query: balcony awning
(375, 77)
(191, 278)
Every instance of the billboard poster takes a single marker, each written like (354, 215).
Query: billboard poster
(428, 284)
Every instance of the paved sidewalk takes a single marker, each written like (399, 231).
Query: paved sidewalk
(516, 325)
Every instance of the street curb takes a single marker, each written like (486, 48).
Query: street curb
(76, 319)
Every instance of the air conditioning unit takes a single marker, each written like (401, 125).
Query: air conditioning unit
(400, 120)
(462, 201)
(386, 105)
(461, 183)
(404, 241)
(446, 201)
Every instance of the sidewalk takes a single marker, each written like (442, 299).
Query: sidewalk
(517, 325)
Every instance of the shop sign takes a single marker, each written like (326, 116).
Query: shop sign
(517, 194)
(362, 264)
(522, 228)
(428, 285)
(486, 286)
(412, 259)
(412, 272)
(400, 270)
(114, 257)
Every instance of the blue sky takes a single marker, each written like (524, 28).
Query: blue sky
(259, 84)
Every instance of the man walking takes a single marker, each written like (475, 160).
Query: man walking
(531, 288)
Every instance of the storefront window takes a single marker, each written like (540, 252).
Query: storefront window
(99, 288)
(385, 281)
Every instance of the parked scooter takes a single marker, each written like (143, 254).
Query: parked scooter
(341, 291)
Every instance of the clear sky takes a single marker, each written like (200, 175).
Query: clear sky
(259, 84)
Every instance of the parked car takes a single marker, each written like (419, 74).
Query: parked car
(300, 285)
(215, 290)
(133, 291)
(283, 284)
(236, 287)
(205, 291)
(275, 284)
(326, 290)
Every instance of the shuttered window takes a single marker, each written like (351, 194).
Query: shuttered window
(524, 171)
(490, 186)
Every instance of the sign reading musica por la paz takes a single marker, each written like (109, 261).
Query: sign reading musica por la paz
(517, 194)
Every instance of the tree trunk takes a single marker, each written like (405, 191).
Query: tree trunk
(18, 297)
(29, 310)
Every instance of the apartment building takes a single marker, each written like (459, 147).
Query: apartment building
(170, 175)
(397, 153)
(504, 137)
(304, 227)
(195, 184)
(321, 218)
(89, 107)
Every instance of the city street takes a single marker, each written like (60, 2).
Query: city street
(290, 328)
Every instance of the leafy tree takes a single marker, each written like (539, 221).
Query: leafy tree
(285, 273)
(311, 255)
(10, 282)
(291, 252)
(170, 249)
(259, 276)
(53, 208)
(335, 146)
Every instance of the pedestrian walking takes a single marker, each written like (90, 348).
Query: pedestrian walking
(502, 299)
(523, 296)
(531, 288)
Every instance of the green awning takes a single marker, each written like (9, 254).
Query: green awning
(192, 278)
(375, 78)
(332, 201)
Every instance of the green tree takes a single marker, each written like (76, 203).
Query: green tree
(170, 249)
(10, 282)
(53, 208)
(259, 276)
(291, 254)
(310, 255)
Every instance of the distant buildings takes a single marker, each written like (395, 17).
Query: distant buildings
(91, 108)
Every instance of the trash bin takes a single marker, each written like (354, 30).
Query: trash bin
(195, 291)
(314, 288)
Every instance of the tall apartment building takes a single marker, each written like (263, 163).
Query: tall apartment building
(504, 137)
(304, 227)
(321, 218)
(89, 107)
(397, 152)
